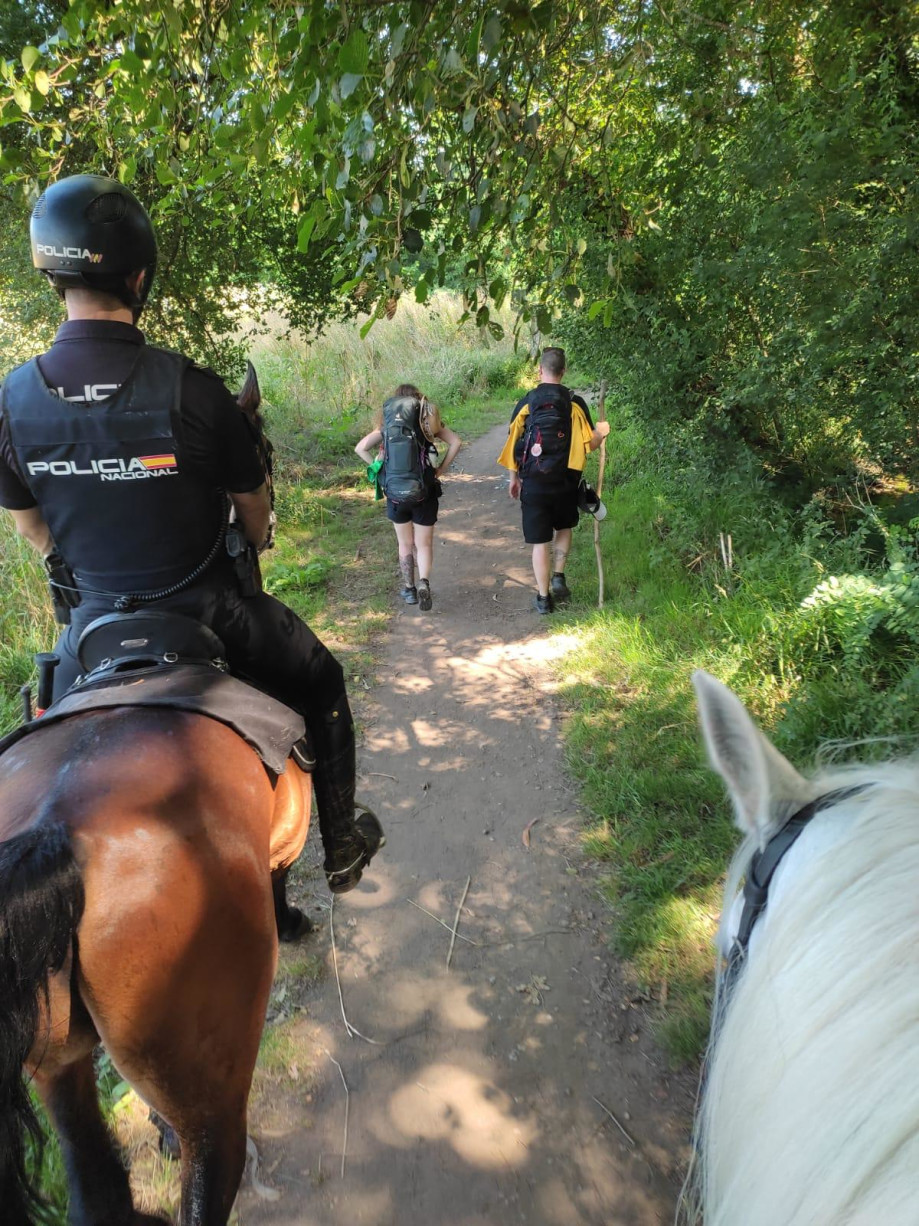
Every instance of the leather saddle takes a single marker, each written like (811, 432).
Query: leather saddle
(176, 652)
(150, 638)
(156, 658)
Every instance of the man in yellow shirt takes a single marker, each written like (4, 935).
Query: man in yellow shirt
(549, 438)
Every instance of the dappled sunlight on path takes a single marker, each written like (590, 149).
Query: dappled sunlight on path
(475, 1117)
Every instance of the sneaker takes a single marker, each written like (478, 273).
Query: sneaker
(544, 604)
(409, 595)
(560, 589)
(425, 599)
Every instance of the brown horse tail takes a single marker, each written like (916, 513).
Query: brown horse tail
(41, 904)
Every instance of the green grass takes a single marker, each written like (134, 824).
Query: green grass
(277, 1050)
(26, 623)
(659, 821)
(299, 968)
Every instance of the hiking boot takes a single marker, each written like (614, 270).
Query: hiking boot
(544, 604)
(560, 589)
(425, 599)
(410, 595)
(351, 854)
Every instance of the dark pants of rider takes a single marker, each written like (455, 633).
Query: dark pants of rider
(268, 644)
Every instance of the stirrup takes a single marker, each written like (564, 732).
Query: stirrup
(370, 831)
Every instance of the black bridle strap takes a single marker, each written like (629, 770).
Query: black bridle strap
(764, 863)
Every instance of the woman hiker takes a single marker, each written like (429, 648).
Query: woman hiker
(409, 477)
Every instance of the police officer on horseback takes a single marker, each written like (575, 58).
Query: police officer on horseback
(121, 464)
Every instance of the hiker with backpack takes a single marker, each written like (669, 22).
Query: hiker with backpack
(407, 473)
(549, 438)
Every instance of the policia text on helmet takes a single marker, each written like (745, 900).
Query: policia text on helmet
(89, 232)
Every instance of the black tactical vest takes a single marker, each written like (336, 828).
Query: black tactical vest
(106, 476)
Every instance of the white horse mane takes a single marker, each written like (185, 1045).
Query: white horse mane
(810, 1109)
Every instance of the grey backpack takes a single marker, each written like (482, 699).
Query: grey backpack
(404, 475)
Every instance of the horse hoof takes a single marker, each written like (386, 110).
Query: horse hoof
(296, 925)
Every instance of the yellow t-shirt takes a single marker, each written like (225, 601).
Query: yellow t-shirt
(581, 434)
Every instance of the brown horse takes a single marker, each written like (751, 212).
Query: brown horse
(137, 909)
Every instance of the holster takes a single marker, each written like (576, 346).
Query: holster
(245, 561)
(62, 586)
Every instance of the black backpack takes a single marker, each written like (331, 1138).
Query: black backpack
(544, 449)
(404, 476)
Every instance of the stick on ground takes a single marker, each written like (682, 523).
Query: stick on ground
(352, 1030)
(601, 416)
(631, 1140)
(468, 940)
(344, 1142)
(456, 922)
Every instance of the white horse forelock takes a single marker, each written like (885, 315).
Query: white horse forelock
(810, 1109)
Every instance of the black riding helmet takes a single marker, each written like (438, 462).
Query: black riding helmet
(93, 232)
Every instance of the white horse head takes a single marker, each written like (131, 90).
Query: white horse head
(810, 1109)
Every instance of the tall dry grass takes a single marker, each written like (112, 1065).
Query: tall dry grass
(338, 377)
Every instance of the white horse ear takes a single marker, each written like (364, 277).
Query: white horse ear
(763, 784)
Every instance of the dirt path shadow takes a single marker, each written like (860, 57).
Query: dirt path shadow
(488, 1093)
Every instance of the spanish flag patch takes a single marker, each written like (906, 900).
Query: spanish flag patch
(158, 461)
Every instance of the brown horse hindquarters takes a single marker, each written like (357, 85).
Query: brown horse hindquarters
(169, 816)
(177, 944)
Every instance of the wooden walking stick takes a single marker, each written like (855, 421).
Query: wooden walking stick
(601, 416)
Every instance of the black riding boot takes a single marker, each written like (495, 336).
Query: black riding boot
(350, 841)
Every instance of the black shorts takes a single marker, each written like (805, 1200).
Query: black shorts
(546, 511)
(422, 513)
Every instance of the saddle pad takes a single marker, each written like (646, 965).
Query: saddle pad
(290, 817)
(271, 728)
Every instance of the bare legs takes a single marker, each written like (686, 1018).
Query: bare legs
(542, 556)
(416, 557)
(406, 539)
(560, 549)
(424, 549)
(549, 553)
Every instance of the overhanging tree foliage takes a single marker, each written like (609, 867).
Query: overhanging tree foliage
(775, 305)
(722, 195)
(391, 130)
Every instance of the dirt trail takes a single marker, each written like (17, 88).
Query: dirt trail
(480, 1101)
